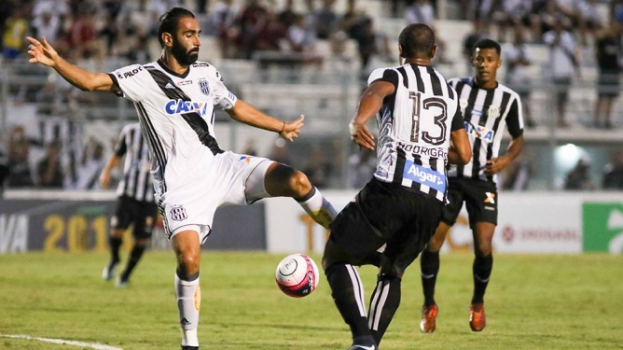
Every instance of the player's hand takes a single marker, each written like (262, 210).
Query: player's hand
(360, 135)
(42, 52)
(105, 179)
(292, 130)
(495, 165)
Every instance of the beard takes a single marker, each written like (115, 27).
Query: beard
(183, 57)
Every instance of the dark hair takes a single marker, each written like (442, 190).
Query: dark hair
(487, 44)
(416, 40)
(169, 22)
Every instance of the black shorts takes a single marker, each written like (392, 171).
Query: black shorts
(480, 197)
(141, 214)
(383, 213)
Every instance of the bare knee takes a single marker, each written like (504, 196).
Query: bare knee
(483, 248)
(187, 251)
(299, 184)
(284, 181)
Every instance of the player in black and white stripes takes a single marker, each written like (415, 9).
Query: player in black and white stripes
(488, 108)
(418, 116)
(135, 200)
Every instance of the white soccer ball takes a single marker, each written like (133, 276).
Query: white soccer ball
(297, 275)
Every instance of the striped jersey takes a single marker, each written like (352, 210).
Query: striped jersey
(486, 112)
(176, 114)
(415, 123)
(136, 181)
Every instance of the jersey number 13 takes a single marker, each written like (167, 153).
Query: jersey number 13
(422, 108)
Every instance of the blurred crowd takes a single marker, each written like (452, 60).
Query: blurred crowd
(314, 33)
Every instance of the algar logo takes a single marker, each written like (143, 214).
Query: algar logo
(181, 106)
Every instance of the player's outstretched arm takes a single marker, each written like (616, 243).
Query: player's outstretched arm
(43, 53)
(246, 113)
(460, 151)
(369, 105)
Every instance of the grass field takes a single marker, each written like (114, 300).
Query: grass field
(533, 302)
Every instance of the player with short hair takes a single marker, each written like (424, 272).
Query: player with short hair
(175, 98)
(418, 116)
(488, 107)
(135, 201)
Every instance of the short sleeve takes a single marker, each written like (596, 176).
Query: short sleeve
(222, 96)
(514, 119)
(384, 74)
(130, 81)
(122, 147)
(457, 121)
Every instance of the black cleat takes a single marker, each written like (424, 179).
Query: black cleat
(188, 347)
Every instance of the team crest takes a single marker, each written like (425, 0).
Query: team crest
(463, 103)
(205, 88)
(494, 111)
(178, 213)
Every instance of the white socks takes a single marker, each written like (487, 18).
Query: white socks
(318, 208)
(188, 295)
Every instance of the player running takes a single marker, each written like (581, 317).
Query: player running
(418, 116)
(135, 201)
(488, 107)
(175, 98)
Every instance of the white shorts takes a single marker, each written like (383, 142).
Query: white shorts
(231, 179)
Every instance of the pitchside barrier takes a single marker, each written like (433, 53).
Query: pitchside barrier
(533, 222)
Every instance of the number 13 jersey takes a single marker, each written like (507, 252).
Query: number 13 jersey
(415, 123)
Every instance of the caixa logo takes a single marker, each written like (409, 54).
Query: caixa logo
(479, 131)
(181, 106)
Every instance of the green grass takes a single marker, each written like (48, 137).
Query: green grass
(533, 302)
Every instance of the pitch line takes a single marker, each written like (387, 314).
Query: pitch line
(60, 341)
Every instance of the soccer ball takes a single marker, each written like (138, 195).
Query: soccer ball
(297, 275)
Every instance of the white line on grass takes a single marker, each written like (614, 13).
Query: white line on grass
(60, 341)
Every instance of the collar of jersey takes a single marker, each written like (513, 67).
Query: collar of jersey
(164, 66)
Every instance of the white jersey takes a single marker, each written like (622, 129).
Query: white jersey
(176, 114)
(415, 125)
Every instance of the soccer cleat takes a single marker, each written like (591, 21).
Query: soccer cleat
(477, 320)
(363, 347)
(109, 270)
(121, 283)
(429, 318)
(188, 347)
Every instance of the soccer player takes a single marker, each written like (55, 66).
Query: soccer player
(488, 107)
(418, 116)
(135, 201)
(175, 97)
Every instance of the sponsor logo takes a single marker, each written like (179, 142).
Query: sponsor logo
(480, 132)
(425, 176)
(184, 82)
(602, 226)
(490, 198)
(435, 152)
(180, 106)
(178, 213)
(169, 86)
(247, 159)
(130, 73)
(201, 64)
(539, 234)
(204, 86)
(184, 322)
